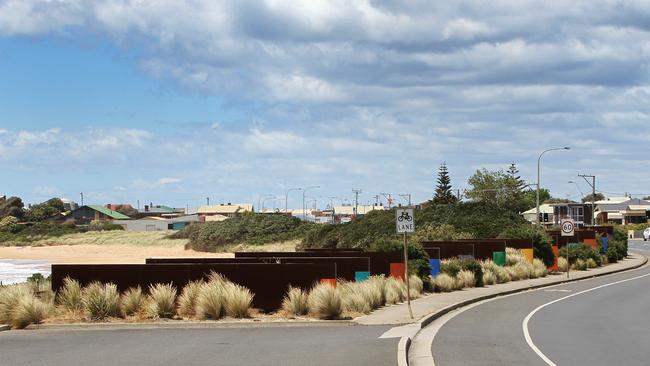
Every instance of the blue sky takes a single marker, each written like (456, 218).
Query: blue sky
(171, 102)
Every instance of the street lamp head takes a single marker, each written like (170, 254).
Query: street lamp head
(567, 148)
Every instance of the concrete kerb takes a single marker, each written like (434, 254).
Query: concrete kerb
(4, 327)
(405, 342)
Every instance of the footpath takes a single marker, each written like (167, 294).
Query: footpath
(430, 307)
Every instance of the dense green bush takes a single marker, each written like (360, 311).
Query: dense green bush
(430, 231)
(9, 224)
(453, 266)
(582, 252)
(249, 229)
(359, 233)
(542, 242)
(611, 254)
(418, 257)
(620, 247)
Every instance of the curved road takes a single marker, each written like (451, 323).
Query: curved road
(607, 325)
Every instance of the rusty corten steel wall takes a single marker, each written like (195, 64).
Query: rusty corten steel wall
(345, 267)
(333, 250)
(379, 262)
(480, 249)
(519, 243)
(269, 282)
(579, 237)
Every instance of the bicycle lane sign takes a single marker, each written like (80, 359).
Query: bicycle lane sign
(404, 220)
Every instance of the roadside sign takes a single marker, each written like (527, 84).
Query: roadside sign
(567, 227)
(404, 220)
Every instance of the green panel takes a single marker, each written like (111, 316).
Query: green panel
(499, 258)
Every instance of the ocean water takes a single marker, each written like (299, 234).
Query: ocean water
(17, 270)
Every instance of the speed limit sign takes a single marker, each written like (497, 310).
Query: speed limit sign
(567, 226)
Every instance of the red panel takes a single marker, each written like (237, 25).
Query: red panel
(554, 267)
(328, 281)
(397, 270)
(591, 242)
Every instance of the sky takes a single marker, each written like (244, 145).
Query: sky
(170, 102)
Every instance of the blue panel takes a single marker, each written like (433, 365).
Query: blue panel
(361, 276)
(435, 266)
(605, 243)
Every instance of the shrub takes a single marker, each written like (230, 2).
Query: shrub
(473, 266)
(210, 302)
(466, 278)
(162, 299)
(325, 302)
(375, 289)
(188, 299)
(524, 270)
(582, 252)
(444, 282)
(450, 267)
(295, 302)
(133, 301)
(355, 302)
(562, 264)
(612, 254)
(237, 300)
(417, 256)
(621, 248)
(428, 232)
(29, 310)
(500, 274)
(489, 278)
(69, 296)
(539, 268)
(514, 256)
(591, 263)
(100, 301)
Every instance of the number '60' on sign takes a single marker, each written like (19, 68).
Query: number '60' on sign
(567, 227)
(404, 220)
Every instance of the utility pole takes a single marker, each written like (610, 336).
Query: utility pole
(406, 195)
(304, 190)
(286, 198)
(207, 199)
(356, 192)
(593, 195)
(82, 198)
(138, 205)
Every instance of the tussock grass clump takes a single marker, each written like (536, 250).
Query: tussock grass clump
(355, 302)
(238, 300)
(100, 300)
(10, 296)
(29, 310)
(444, 283)
(210, 301)
(188, 299)
(162, 300)
(133, 302)
(514, 256)
(325, 302)
(395, 290)
(539, 268)
(416, 286)
(466, 278)
(523, 270)
(377, 289)
(295, 302)
(579, 265)
(489, 278)
(591, 263)
(501, 275)
(562, 264)
(69, 296)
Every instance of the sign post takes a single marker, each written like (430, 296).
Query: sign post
(567, 228)
(405, 223)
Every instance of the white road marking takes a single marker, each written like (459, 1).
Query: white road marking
(558, 290)
(529, 340)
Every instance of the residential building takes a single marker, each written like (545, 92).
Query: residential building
(622, 210)
(160, 211)
(580, 213)
(545, 211)
(228, 210)
(154, 223)
(87, 213)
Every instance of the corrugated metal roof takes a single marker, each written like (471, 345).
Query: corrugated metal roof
(544, 208)
(108, 212)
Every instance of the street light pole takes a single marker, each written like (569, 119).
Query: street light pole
(304, 190)
(286, 198)
(593, 195)
(539, 159)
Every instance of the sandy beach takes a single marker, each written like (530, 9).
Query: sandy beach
(91, 253)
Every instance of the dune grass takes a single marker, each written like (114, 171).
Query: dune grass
(238, 300)
(325, 302)
(133, 302)
(162, 300)
(466, 278)
(101, 301)
(188, 299)
(70, 295)
(210, 301)
(115, 237)
(295, 302)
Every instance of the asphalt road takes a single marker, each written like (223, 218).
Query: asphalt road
(605, 326)
(314, 346)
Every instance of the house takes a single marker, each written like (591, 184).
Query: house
(157, 223)
(622, 210)
(545, 211)
(580, 213)
(87, 213)
(228, 210)
(152, 210)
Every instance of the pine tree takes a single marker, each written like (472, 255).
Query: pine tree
(516, 184)
(443, 189)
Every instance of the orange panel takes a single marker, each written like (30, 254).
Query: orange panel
(397, 270)
(328, 281)
(528, 253)
(554, 267)
(591, 242)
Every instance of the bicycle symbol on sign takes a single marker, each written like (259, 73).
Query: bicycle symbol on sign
(404, 216)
